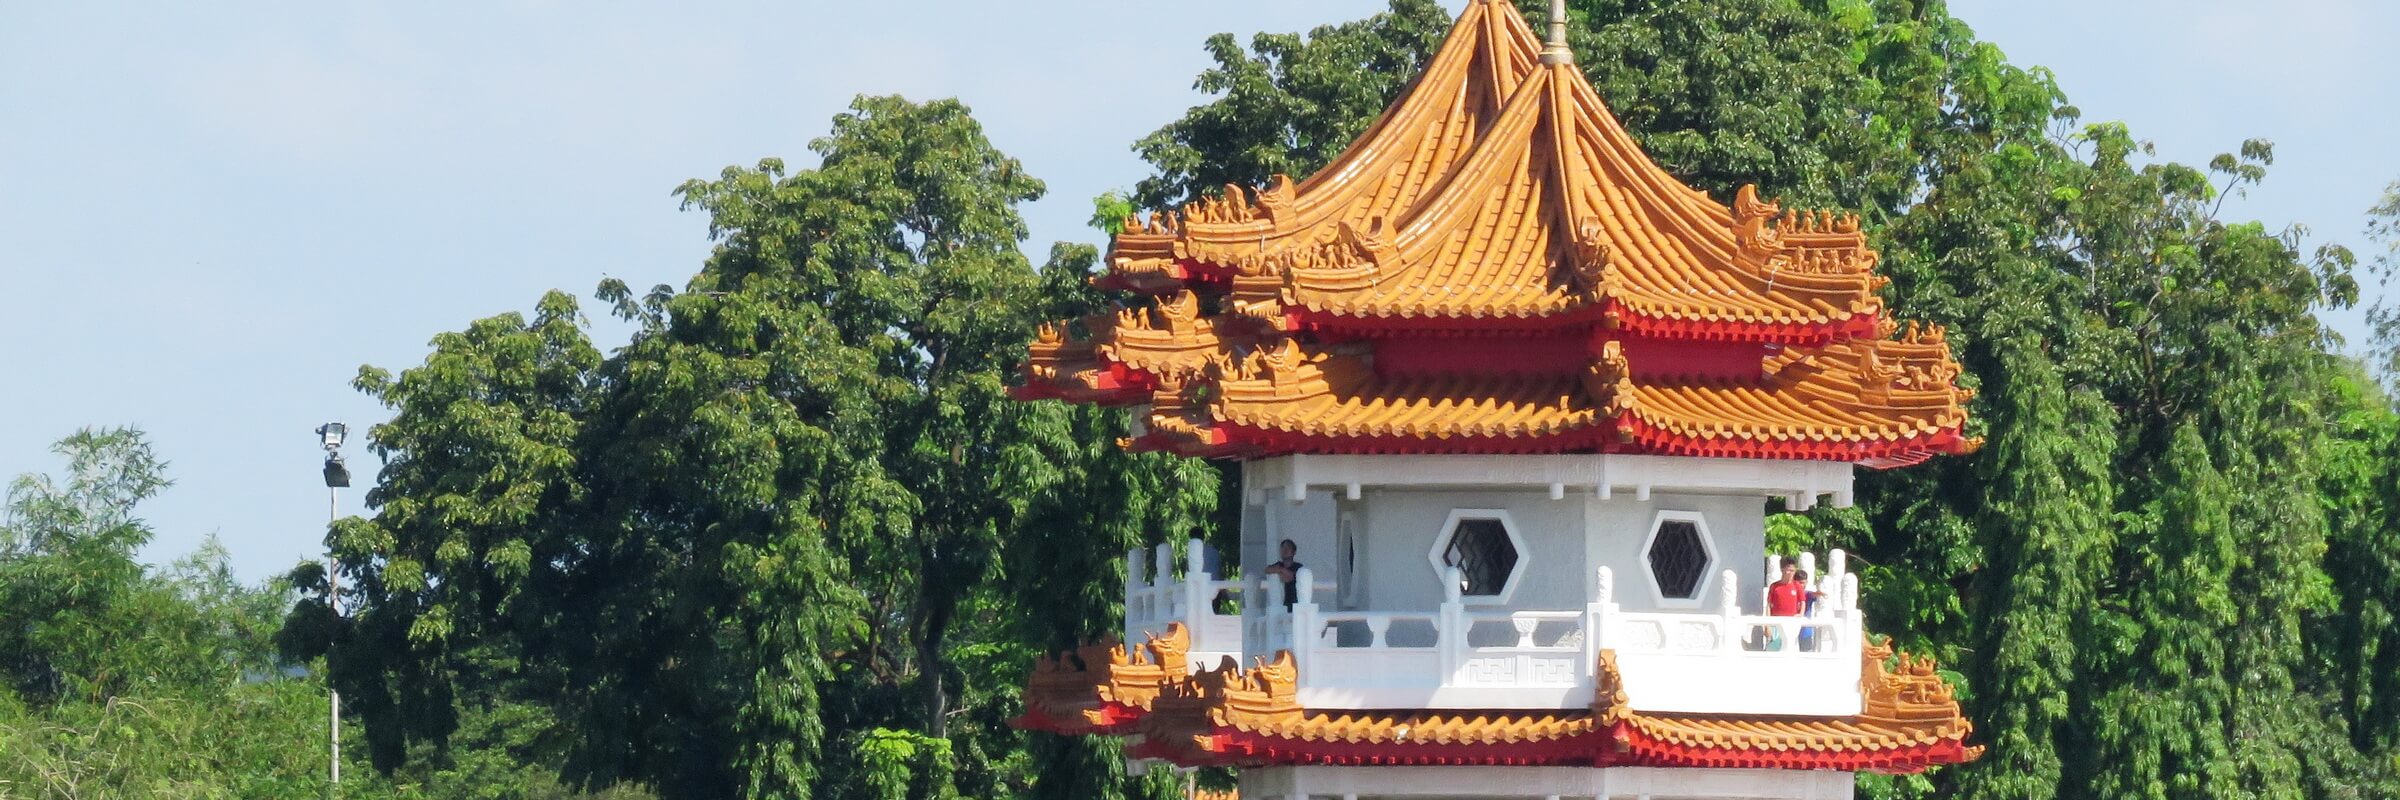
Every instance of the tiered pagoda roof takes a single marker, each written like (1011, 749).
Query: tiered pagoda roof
(1235, 717)
(1495, 266)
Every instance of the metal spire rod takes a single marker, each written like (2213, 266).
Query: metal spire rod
(1556, 51)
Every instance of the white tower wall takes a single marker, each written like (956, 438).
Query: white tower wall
(1392, 531)
(1542, 783)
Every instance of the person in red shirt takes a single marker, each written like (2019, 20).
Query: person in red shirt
(1789, 598)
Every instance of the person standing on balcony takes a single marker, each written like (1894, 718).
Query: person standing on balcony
(1287, 567)
(1808, 633)
(1788, 597)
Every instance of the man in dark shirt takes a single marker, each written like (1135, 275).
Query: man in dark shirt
(1287, 568)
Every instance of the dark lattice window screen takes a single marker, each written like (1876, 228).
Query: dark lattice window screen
(1678, 559)
(1484, 556)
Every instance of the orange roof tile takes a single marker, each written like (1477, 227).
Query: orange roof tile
(1401, 157)
(1234, 716)
(1499, 198)
(1552, 212)
(1104, 687)
(1911, 720)
(1856, 401)
(1062, 367)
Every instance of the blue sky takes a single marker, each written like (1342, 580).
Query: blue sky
(212, 214)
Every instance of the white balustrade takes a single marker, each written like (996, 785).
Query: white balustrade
(1729, 662)
(1721, 660)
(1191, 598)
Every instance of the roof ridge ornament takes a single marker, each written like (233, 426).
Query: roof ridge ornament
(1555, 51)
(1467, 214)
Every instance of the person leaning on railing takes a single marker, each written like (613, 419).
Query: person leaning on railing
(1287, 568)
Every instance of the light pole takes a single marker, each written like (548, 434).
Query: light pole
(337, 476)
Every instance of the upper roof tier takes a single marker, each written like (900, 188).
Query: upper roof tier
(1496, 267)
(1500, 194)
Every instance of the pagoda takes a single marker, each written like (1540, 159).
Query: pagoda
(1517, 399)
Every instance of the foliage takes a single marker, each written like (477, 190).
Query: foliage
(776, 546)
(88, 623)
(130, 681)
(2383, 318)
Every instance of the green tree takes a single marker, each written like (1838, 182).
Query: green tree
(766, 549)
(140, 681)
(2383, 318)
(2040, 527)
(2362, 494)
(87, 621)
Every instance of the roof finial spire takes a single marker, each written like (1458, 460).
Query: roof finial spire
(1555, 51)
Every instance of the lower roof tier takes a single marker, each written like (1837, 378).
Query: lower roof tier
(1234, 717)
(1215, 392)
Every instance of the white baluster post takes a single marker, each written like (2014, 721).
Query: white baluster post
(1524, 661)
(1134, 614)
(1595, 619)
(1854, 621)
(1451, 633)
(1163, 560)
(1199, 604)
(1731, 639)
(1304, 623)
(1836, 571)
(1271, 607)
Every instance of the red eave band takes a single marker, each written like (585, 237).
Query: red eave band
(1638, 437)
(1620, 746)
(1116, 719)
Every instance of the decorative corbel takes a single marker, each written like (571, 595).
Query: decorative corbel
(1371, 243)
(1750, 223)
(1593, 255)
(1176, 312)
(1276, 202)
(1874, 376)
(1609, 380)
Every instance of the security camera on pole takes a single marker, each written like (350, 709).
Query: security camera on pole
(337, 476)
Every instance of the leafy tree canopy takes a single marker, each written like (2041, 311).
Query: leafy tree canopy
(773, 546)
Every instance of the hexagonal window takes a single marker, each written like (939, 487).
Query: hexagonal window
(1480, 550)
(1679, 556)
(1484, 547)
